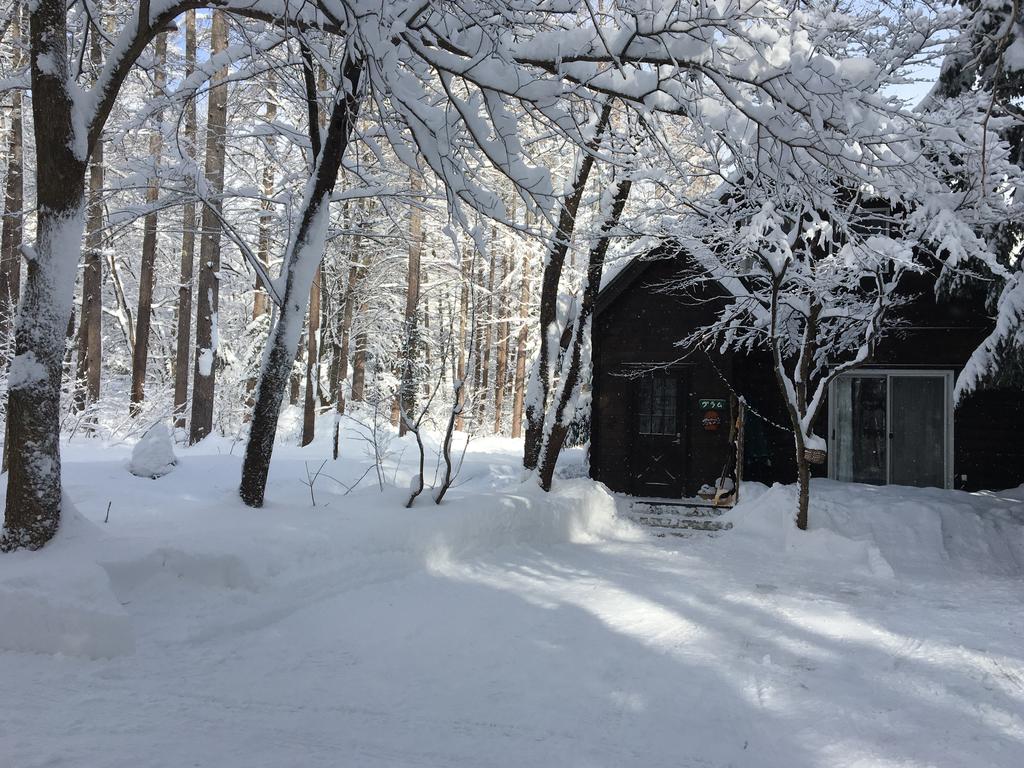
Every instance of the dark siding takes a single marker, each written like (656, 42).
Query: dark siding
(641, 327)
(988, 447)
(639, 324)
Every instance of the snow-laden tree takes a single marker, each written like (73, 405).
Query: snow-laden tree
(984, 69)
(810, 250)
(70, 106)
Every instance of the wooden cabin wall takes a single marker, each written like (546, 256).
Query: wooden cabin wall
(640, 325)
(987, 439)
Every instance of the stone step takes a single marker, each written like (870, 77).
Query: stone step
(680, 522)
(676, 510)
(684, 533)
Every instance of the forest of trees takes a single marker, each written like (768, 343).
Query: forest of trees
(401, 212)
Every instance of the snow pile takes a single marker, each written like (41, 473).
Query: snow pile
(60, 601)
(153, 456)
(764, 521)
(890, 529)
(922, 529)
(575, 511)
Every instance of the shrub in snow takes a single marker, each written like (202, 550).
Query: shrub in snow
(153, 456)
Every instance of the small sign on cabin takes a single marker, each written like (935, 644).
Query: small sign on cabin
(711, 404)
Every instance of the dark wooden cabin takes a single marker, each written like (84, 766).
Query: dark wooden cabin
(661, 415)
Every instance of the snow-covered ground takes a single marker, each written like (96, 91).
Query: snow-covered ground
(506, 627)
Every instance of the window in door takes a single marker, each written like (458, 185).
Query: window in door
(656, 411)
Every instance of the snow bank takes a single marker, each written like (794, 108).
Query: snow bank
(891, 529)
(59, 601)
(764, 520)
(153, 456)
(575, 511)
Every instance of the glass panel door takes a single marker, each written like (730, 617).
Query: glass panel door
(918, 412)
(860, 430)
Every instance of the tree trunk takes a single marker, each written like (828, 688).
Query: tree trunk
(90, 336)
(260, 299)
(341, 353)
(330, 283)
(557, 423)
(793, 409)
(33, 507)
(519, 384)
(125, 320)
(204, 375)
(804, 472)
(11, 230)
(501, 354)
(147, 276)
(477, 334)
(359, 355)
(316, 127)
(540, 376)
(312, 356)
(188, 241)
(304, 255)
(488, 338)
(90, 339)
(460, 375)
(295, 378)
(407, 392)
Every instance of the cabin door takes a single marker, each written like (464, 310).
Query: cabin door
(659, 452)
(892, 427)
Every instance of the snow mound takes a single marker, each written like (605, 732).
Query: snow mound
(57, 601)
(153, 456)
(575, 511)
(765, 521)
(891, 529)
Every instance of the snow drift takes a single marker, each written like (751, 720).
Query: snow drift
(58, 600)
(888, 530)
